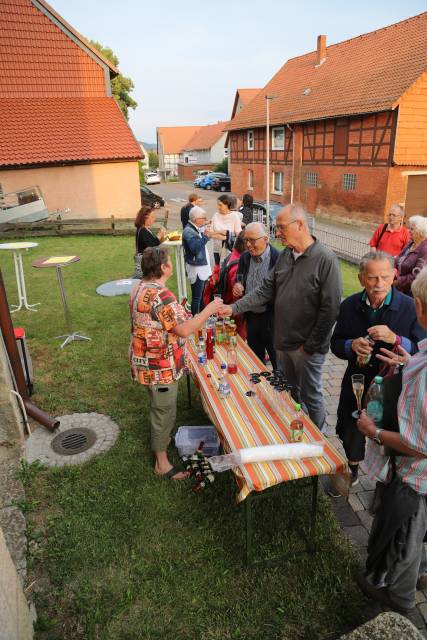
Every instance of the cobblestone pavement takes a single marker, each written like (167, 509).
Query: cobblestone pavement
(353, 515)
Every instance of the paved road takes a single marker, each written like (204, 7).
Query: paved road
(176, 195)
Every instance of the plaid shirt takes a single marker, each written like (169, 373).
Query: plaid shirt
(412, 411)
(157, 355)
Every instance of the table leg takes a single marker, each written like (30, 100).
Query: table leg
(312, 534)
(71, 335)
(248, 518)
(20, 282)
(178, 273)
(183, 274)
(189, 390)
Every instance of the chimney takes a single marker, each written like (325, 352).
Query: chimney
(321, 50)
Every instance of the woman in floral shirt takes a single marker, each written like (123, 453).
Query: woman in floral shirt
(157, 350)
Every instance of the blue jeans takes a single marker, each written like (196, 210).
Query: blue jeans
(196, 296)
(304, 373)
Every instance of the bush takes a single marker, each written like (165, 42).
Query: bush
(141, 173)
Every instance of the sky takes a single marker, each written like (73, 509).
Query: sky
(187, 58)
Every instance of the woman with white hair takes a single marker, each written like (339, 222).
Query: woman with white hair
(413, 258)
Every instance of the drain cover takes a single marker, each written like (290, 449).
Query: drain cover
(73, 441)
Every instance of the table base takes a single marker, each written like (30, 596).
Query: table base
(24, 305)
(20, 282)
(71, 338)
(252, 497)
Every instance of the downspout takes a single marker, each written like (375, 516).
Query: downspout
(293, 161)
(6, 327)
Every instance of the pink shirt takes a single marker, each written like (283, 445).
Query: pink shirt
(222, 223)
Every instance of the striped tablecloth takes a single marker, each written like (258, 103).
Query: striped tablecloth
(261, 420)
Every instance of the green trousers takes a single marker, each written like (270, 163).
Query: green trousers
(163, 399)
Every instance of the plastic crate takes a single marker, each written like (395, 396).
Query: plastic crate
(187, 440)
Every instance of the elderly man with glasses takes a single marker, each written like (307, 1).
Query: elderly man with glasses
(305, 289)
(254, 266)
(392, 236)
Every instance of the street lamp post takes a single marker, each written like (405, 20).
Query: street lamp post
(267, 182)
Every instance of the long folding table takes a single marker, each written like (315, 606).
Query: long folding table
(263, 419)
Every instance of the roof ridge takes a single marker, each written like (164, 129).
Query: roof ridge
(360, 36)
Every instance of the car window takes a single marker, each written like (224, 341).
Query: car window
(145, 190)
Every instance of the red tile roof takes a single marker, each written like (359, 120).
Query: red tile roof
(245, 96)
(174, 139)
(39, 131)
(205, 137)
(53, 103)
(37, 59)
(362, 75)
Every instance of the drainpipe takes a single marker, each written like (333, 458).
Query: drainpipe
(293, 162)
(6, 327)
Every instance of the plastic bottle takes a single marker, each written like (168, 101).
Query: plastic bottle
(375, 400)
(201, 352)
(224, 387)
(232, 360)
(297, 425)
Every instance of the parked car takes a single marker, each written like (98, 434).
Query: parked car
(150, 198)
(197, 180)
(260, 214)
(152, 177)
(206, 182)
(222, 184)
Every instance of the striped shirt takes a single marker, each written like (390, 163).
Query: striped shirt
(412, 412)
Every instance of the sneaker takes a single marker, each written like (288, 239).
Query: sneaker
(354, 470)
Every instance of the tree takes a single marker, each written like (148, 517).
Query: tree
(120, 85)
(153, 160)
(222, 166)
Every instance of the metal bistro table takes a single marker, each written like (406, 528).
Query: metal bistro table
(263, 419)
(58, 262)
(181, 277)
(17, 249)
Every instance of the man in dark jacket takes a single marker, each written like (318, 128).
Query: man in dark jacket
(379, 316)
(305, 288)
(194, 200)
(254, 265)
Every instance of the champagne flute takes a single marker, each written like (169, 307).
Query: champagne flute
(358, 384)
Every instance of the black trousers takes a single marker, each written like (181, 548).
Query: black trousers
(259, 327)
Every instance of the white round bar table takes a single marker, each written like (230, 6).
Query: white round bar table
(181, 277)
(17, 249)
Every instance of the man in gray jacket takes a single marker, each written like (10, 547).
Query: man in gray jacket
(305, 288)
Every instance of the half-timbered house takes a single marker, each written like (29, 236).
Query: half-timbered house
(348, 126)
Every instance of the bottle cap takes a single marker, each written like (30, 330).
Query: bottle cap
(209, 375)
(297, 406)
(378, 379)
(223, 365)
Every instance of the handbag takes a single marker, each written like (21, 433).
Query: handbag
(137, 273)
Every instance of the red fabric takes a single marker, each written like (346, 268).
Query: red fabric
(392, 242)
(228, 294)
(211, 286)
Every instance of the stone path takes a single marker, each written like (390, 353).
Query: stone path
(354, 515)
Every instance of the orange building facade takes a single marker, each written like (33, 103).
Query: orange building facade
(341, 141)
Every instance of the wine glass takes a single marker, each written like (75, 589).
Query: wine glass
(358, 384)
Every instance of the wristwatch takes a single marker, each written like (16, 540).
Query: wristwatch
(376, 436)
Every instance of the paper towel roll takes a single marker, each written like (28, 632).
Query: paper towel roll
(292, 451)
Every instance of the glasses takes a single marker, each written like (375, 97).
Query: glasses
(283, 227)
(253, 240)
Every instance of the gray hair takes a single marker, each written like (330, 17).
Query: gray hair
(196, 212)
(297, 211)
(419, 287)
(420, 224)
(398, 206)
(257, 225)
(375, 256)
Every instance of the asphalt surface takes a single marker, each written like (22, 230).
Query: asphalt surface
(176, 195)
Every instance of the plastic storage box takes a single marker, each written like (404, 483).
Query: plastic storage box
(187, 440)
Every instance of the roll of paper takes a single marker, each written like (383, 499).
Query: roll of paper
(293, 451)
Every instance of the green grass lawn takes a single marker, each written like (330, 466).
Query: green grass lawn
(118, 554)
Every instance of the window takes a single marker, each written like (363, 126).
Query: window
(311, 179)
(250, 140)
(250, 179)
(277, 182)
(349, 181)
(341, 137)
(278, 138)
